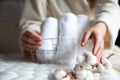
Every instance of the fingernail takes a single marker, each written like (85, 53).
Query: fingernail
(83, 43)
(101, 61)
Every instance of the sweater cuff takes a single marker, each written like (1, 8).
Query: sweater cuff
(31, 27)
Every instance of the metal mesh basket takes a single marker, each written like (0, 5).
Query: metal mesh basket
(61, 44)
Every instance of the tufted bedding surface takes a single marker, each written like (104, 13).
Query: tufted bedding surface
(12, 67)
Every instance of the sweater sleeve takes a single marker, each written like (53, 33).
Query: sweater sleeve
(35, 11)
(108, 11)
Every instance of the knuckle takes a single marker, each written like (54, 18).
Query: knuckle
(88, 31)
(96, 34)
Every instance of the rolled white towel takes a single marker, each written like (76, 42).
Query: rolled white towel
(49, 33)
(49, 28)
(68, 26)
(83, 25)
(68, 39)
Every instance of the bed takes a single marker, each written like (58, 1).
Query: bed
(13, 67)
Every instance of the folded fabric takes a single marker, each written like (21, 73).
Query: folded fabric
(83, 25)
(68, 39)
(49, 33)
(68, 26)
(49, 28)
(61, 39)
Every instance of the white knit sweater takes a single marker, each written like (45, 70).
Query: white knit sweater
(36, 11)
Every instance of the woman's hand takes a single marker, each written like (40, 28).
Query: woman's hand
(96, 33)
(30, 41)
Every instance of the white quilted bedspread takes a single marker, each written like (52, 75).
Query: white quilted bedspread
(12, 67)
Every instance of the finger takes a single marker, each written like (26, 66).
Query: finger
(33, 35)
(25, 42)
(36, 37)
(98, 55)
(97, 43)
(27, 49)
(86, 38)
(30, 50)
(101, 59)
(100, 52)
(27, 33)
(30, 47)
(29, 41)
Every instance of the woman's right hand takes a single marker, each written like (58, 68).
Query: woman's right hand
(31, 41)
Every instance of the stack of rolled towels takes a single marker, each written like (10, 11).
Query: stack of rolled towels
(61, 38)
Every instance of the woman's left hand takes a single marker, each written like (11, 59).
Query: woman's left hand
(96, 33)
